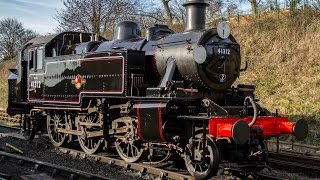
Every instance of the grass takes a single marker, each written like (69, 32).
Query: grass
(284, 63)
(8, 123)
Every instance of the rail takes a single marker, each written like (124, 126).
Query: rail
(278, 146)
(62, 170)
(286, 159)
(141, 168)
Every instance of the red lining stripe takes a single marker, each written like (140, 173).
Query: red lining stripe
(82, 91)
(160, 122)
(139, 121)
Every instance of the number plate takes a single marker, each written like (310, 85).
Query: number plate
(222, 51)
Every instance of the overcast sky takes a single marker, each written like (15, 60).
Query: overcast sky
(37, 15)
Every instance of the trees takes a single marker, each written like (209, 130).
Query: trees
(316, 5)
(254, 7)
(294, 3)
(93, 15)
(100, 16)
(167, 9)
(12, 37)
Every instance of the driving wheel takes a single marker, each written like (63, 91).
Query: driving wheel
(201, 157)
(92, 144)
(55, 122)
(128, 146)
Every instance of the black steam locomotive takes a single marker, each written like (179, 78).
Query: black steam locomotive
(168, 93)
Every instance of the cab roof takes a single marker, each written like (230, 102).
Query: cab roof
(42, 40)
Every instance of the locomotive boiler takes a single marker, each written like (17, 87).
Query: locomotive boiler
(168, 93)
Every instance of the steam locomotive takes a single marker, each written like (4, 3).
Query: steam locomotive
(168, 93)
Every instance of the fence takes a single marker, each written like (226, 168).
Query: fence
(268, 6)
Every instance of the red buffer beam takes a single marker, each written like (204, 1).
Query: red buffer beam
(239, 131)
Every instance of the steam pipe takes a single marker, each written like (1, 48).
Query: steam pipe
(255, 110)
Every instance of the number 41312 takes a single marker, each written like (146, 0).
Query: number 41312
(224, 51)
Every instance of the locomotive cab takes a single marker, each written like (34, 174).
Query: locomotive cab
(26, 82)
(30, 60)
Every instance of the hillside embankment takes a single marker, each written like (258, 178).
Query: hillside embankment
(283, 53)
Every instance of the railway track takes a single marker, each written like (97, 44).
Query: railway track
(269, 177)
(142, 168)
(289, 155)
(296, 160)
(294, 147)
(285, 159)
(41, 166)
(10, 128)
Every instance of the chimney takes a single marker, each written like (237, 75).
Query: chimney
(196, 14)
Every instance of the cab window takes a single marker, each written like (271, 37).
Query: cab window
(36, 59)
(39, 58)
(31, 60)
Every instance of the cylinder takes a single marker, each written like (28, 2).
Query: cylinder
(196, 14)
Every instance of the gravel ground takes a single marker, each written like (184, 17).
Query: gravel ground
(291, 173)
(49, 155)
(14, 169)
(18, 172)
(274, 173)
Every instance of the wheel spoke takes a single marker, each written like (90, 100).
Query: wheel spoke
(200, 168)
(92, 143)
(123, 146)
(53, 122)
(55, 136)
(128, 150)
(89, 145)
(60, 135)
(135, 151)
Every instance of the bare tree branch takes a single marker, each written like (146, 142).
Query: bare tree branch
(12, 36)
